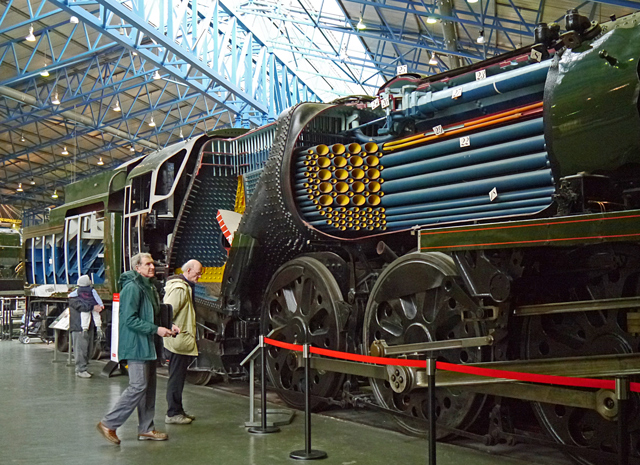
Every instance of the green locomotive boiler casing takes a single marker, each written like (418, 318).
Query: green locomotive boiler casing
(591, 105)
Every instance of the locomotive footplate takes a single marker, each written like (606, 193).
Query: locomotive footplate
(404, 379)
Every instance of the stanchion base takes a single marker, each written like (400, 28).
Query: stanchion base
(261, 430)
(275, 417)
(313, 454)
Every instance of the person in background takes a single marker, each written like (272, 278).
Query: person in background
(95, 314)
(138, 325)
(82, 304)
(181, 350)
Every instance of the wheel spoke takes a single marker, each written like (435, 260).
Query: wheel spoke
(399, 317)
(301, 301)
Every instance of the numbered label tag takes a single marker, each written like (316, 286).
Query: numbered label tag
(438, 130)
(493, 194)
(402, 69)
(465, 141)
(536, 55)
(384, 101)
(457, 93)
(481, 75)
(375, 104)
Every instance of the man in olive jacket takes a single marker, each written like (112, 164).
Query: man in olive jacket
(182, 349)
(139, 314)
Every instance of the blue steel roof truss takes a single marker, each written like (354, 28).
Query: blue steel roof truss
(215, 71)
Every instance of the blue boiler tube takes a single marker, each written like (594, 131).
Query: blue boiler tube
(471, 216)
(468, 173)
(447, 205)
(494, 85)
(476, 209)
(493, 152)
(516, 131)
(540, 178)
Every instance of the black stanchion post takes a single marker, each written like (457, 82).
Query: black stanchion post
(431, 377)
(263, 428)
(307, 453)
(622, 395)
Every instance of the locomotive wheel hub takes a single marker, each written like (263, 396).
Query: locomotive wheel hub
(607, 404)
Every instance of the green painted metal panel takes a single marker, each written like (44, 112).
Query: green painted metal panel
(112, 253)
(592, 105)
(97, 184)
(554, 232)
(92, 190)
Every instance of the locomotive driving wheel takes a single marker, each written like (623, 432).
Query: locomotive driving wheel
(412, 302)
(302, 305)
(582, 334)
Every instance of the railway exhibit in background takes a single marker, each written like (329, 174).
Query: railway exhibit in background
(499, 202)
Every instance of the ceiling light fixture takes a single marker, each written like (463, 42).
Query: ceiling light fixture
(100, 162)
(55, 194)
(19, 189)
(32, 182)
(74, 20)
(152, 123)
(117, 107)
(135, 54)
(361, 26)
(132, 149)
(472, 1)
(55, 100)
(30, 37)
(431, 20)
(480, 38)
(44, 72)
(433, 61)
(65, 151)
(22, 139)
(156, 75)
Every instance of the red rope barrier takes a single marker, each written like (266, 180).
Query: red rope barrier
(477, 371)
(348, 356)
(284, 345)
(529, 377)
(370, 359)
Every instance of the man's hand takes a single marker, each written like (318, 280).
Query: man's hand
(97, 308)
(175, 330)
(164, 332)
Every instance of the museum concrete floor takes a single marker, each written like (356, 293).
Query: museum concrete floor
(49, 416)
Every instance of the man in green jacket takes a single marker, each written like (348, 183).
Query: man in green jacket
(139, 314)
(181, 350)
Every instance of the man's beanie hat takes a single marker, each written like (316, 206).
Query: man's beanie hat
(84, 280)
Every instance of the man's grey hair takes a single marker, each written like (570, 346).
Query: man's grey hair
(189, 265)
(136, 259)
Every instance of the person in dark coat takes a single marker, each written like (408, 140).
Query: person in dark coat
(82, 302)
(138, 324)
